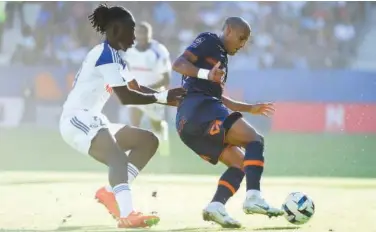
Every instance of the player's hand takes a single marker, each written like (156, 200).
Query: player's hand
(176, 95)
(174, 104)
(216, 74)
(171, 97)
(265, 109)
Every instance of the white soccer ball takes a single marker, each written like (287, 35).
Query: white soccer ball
(299, 208)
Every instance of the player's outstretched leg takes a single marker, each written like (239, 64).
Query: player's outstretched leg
(142, 145)
(243, 134)
(228, 184)
(104, 149)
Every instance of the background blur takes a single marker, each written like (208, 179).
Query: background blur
(317, 60)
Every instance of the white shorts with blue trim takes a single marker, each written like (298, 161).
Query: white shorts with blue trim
(79, 127)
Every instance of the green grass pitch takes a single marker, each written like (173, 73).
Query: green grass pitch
(47, 186)
(286, 155)
(58, 202)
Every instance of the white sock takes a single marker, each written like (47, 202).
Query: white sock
(132, 173)
(124, 199)
(253, 193)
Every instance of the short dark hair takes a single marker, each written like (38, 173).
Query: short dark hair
(103, 15)
(235, 22)
(146, 26)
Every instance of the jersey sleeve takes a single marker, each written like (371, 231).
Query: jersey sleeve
(164, 62)
(110, 67)
(113, 75)
(201, 46)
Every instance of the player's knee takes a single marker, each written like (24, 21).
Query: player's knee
(256, 137)
(151, 140)
(154, 141)
(260, 139)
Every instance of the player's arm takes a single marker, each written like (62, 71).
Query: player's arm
(131, 97)
(117, 82)
(265, 109)
(133, 85)
(236, 105)
(185, 63)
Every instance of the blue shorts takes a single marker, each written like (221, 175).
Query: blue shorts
(202, 122)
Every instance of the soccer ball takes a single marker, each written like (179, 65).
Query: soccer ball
(299, 208)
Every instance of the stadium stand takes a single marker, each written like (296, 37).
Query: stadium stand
(299, 35)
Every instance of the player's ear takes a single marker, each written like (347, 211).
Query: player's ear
(228, 30)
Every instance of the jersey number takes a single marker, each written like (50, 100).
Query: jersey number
(215, 127)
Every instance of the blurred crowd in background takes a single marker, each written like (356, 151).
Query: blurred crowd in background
(304, 35)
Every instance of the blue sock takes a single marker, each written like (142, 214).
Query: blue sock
(254, 164)
(228, 184)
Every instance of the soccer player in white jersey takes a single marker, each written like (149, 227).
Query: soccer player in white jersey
(149, 62)
(86, 129)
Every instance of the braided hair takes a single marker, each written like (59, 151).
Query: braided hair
(103, 15)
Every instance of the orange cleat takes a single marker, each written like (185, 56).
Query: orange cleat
(138, 220)
(107, 199)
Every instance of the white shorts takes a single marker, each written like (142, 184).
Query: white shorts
(155, 112)
(79, 127)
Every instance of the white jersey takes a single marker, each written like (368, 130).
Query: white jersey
(148, 66)
(81, 118)
(102, 69)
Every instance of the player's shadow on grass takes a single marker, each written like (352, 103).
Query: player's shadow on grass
(277, 228)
